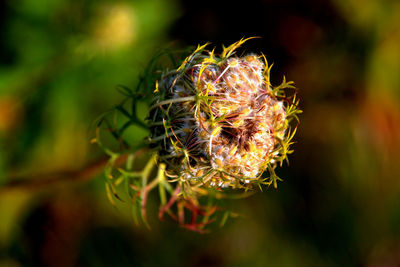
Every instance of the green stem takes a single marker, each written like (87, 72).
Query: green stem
(174, 100)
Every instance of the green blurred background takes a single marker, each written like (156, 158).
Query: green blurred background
(339, 204)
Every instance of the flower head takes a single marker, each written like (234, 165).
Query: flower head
(217, 120)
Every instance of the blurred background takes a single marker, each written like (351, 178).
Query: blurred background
(60, 63)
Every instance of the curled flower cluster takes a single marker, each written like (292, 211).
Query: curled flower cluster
(218, 122)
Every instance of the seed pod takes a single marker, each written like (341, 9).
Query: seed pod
(216, 120)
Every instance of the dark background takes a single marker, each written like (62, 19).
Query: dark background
(339, 203)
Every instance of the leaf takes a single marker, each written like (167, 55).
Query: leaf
(121, 109)
(109, 194)
(157, 89)
(224, 219)
(161, 182)
(190, 58)
(124, 90)
(228, 51)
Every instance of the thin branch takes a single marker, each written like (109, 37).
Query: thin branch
(47, 180)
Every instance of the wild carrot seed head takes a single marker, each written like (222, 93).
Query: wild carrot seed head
(217, 120)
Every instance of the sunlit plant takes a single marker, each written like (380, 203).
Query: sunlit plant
(218, 129)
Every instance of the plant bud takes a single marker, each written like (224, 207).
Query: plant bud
(217, 120)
